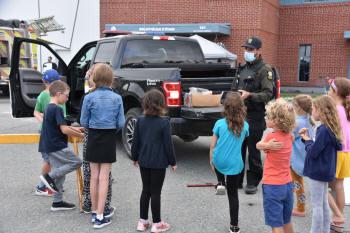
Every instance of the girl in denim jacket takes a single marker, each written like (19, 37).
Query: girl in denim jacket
(103, 114)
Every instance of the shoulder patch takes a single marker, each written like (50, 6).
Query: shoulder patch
(269, 75)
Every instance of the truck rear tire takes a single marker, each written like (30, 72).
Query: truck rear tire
(188, 137)
(129, 127)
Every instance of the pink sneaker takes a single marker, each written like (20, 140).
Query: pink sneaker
(141, 226)
(160, 227)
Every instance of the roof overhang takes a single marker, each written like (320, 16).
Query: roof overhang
(175, 29)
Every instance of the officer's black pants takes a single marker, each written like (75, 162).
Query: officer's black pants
(255, 171)
(231, 183)
(152, 183)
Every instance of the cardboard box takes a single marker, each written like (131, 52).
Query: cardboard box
(202, 100)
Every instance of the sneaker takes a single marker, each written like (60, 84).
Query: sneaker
(58, 206)
(43, 191)
(142, 225)
(337, 228)
(49, 182)
(160, 227)
(109, 213)
(93, 217)
(220, 190)
(234, 229)
(251, 189)
(101, 223)
(86, 210)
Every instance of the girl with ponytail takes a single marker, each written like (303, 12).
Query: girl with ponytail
(302, 105)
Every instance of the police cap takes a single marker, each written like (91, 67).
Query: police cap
(253, 43)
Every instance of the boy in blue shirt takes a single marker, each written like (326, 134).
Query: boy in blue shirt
(54, 142)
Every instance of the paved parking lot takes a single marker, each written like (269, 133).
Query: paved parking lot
(190, 210)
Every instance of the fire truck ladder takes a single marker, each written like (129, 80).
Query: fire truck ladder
(44, 25)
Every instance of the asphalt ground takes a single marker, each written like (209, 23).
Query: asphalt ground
(190, 210)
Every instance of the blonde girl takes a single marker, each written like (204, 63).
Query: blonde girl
(302, 105)
(320, 161)
(103, 115)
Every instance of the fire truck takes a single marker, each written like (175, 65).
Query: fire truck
(9, 29)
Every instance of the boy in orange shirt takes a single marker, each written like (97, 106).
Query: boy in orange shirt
(277, 180)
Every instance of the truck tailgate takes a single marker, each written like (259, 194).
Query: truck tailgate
(212, 113)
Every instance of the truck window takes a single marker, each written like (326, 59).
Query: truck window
(37, 57)
(162, 51)
(4, 53)
(105, 52)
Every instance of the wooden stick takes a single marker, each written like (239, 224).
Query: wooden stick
(80, 182)
(201, 185)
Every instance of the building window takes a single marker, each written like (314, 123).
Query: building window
(304, 63)
(297, 2)
(317, 1)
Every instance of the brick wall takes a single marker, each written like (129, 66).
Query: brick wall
(247, 17)
(323, 27)
(282, 29)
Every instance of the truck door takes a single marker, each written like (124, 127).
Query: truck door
(26, 76)
(26, 79)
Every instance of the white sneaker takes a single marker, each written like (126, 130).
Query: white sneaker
(220, 190)
(142, 225)
(160, 227)
(234, 229)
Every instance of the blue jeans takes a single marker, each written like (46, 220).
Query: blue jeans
(278, 204)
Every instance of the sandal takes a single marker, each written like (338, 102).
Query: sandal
(337, 228)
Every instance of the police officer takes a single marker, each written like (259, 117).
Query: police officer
(255, 83)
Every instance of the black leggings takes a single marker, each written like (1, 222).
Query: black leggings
(231, 184)
(152, 183)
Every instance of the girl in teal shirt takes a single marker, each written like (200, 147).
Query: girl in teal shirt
(225, 152)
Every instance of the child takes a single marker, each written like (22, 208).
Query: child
(53, 141)
(102, 113)
(108, 210)
(42, 101)
(277, 180)
(320, 161)
(225, 152)
(153, 150)
(340, 93)
(302, 105)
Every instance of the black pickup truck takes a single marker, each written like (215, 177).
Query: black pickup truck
(140, 62)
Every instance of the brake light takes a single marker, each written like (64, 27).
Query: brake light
(163, 38)
(278, 89)
(172, 91)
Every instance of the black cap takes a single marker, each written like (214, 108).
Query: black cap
(253, 43)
